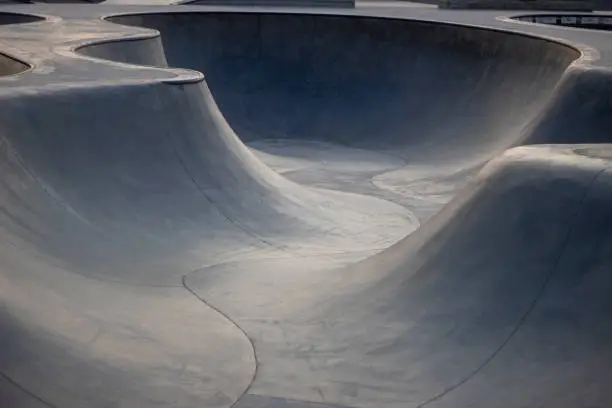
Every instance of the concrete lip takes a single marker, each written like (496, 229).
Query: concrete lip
(264, 207)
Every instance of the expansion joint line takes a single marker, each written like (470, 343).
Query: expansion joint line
(235, 324)
(26, 391)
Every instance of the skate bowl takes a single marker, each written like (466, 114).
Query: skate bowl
(300, 77)
(267, 209)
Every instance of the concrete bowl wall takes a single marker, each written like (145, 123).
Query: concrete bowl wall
(405, 85)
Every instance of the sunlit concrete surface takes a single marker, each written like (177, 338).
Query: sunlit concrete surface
(385, 206)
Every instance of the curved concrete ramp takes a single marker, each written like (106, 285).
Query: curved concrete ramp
(338, 216)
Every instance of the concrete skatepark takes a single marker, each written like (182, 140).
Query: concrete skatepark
(390, 205)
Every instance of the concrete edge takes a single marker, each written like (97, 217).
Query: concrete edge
(588, 56)
(183, 75)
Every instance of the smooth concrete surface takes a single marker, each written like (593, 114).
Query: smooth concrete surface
(389, 206)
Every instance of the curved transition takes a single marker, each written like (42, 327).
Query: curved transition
(373, 237)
